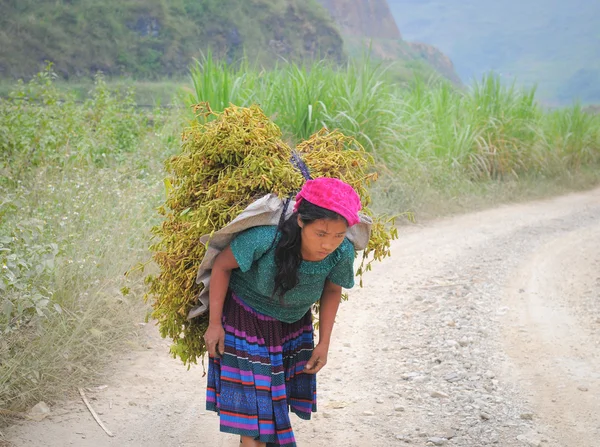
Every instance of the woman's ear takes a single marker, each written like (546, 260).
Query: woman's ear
(300, 223)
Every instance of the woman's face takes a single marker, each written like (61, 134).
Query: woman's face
(321, 238)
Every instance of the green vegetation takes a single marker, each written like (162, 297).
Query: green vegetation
(408, 60)
(80, 183)
(148, 94)
(302, 100)
(158, 38)
(551, 43)
(133, 42)
(491, 131)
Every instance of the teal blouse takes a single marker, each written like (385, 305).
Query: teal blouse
(254, 280)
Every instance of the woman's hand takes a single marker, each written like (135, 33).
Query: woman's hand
(214, 337)
(318, 359)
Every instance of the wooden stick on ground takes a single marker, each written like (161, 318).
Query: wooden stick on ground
(94, 413)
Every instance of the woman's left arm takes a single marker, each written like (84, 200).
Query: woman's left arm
(330, 301)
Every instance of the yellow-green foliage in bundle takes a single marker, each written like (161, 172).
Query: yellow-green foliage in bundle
(228, 160)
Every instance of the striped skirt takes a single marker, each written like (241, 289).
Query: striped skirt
(260, 378)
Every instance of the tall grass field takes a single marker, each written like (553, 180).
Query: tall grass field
(80, 181)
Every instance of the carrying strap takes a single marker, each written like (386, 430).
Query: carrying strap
(299, 164)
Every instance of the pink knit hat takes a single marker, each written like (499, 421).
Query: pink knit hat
(332, 194)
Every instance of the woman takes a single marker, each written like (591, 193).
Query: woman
(262, 358)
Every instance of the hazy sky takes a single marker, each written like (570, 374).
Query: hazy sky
(544, 41)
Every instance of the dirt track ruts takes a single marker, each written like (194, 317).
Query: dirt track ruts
(482, 329)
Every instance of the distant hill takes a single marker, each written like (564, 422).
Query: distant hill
(160, 38)
(366, 18)
(157, 38)
(370, 23)
(555, 44)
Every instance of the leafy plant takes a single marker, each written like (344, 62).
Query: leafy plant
(27, 264)
(44, 125)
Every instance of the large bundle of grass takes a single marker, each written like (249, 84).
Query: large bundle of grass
(229, 160)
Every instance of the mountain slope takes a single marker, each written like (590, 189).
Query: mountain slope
(367, 18)
(154, 38)
(160, 38)
(553, 43)
(370, 24)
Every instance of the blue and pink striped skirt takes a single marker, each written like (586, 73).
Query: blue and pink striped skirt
(260, 378)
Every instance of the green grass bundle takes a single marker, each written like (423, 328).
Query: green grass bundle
(228, 160)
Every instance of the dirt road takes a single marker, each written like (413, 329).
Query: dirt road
(482, 329)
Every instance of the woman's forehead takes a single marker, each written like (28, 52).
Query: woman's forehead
(330, 225)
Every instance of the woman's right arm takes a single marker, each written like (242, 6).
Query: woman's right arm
(214, 337)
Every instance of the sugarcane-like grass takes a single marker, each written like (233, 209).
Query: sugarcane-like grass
(487, 131)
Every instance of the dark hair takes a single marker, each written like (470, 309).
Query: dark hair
(287, 252)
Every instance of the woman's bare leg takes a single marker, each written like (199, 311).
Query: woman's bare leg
(247, 441)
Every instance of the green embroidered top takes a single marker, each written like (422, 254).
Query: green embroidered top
(254, 280)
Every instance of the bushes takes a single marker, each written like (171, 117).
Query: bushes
(490, 131)
(27, 262)
(40, 125)
(77, 199)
